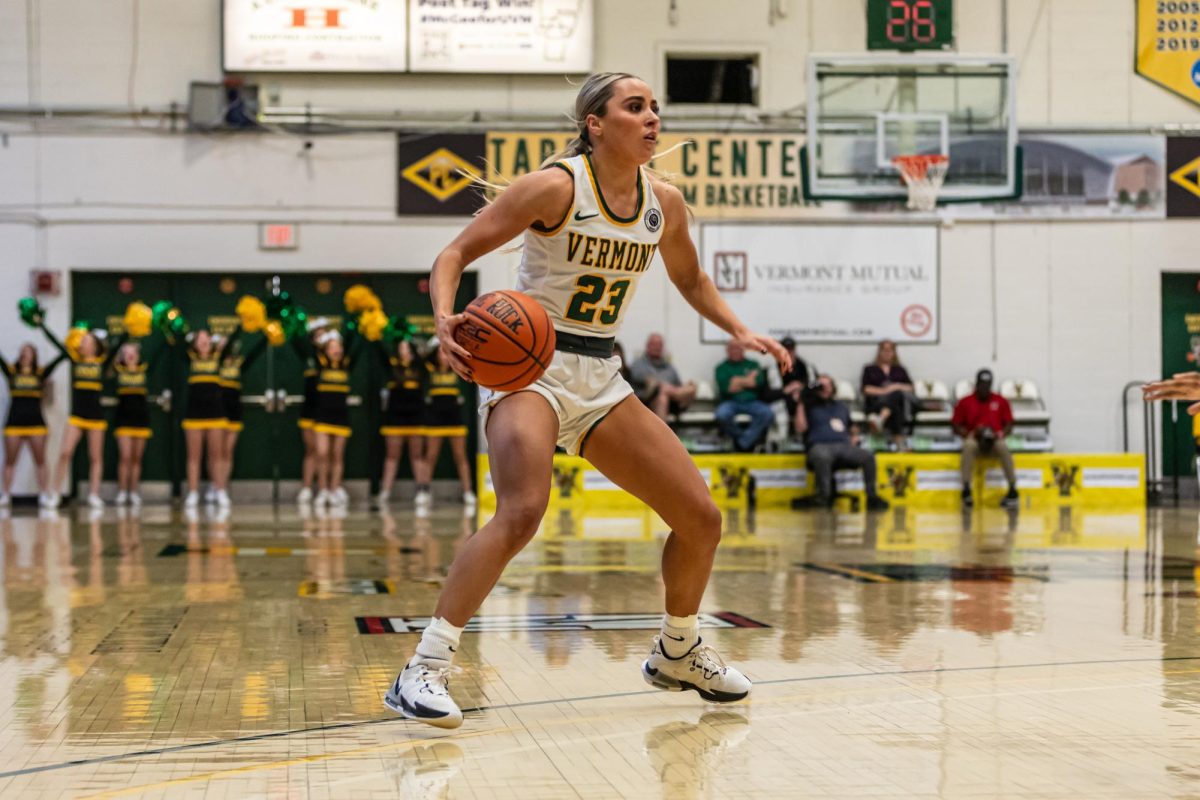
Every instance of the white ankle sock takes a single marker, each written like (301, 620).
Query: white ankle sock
(439, 642)
(679, 634)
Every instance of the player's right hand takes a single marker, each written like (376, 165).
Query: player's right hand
(1181, 386)
(456, 354)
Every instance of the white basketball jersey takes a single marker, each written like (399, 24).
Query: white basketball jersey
(586, 270)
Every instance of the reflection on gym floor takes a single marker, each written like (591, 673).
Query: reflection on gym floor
(914, 652)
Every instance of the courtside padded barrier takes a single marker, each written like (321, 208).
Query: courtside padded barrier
(915, 480)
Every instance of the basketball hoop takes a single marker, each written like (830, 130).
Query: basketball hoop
(924, 176)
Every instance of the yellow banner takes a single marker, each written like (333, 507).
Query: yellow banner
(722, 176)
(1168, 45)
(915, 480)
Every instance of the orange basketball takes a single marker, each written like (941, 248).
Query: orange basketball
(511, 338)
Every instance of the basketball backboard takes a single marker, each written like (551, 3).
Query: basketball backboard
(864, 110)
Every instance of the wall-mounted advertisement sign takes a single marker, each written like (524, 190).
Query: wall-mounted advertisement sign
(315, 35)
(502, 36)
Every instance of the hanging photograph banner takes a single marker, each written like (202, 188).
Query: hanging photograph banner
(333, 36)
(550, 36)
(818, 283)
(721, 175)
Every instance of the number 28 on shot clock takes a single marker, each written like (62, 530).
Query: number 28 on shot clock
(910, 24)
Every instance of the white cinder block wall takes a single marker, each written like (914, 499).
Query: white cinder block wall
(1077, 303)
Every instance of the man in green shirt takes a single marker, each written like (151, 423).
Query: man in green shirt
(740, 384)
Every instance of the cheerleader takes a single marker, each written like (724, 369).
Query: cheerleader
(233, 366)
(88, 365)
(444, 420)
(331, 417)
(131, 425)
(402, 417)
(25, 424)
(204, 417)
(305, 348)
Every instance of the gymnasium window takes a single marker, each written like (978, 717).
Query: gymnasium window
(713, 79)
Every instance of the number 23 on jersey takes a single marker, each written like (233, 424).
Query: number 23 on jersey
(596, 295)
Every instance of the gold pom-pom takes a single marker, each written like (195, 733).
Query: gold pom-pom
(74, 337)
(138, 318)
(372, 324)
(359, 298)
(253, 313)
(274, 333)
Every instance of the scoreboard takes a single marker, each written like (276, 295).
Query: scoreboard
(910, 24)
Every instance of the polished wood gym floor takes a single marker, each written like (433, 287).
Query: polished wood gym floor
(1046, 653)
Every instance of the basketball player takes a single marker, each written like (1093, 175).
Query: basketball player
(1181, 386)
(592, 219)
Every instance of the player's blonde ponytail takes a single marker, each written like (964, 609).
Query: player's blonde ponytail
(592, 99)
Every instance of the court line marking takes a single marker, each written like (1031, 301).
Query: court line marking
(258, 737)
(410, 744)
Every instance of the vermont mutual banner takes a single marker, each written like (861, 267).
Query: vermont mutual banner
(826, 283)
(721, 175)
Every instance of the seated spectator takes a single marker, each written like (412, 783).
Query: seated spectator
(888, 392)
(831, 441)
(795, 382)
(657, 383)
(983, 419)
(740, 385)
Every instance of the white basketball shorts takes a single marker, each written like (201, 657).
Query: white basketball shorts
(580, 389)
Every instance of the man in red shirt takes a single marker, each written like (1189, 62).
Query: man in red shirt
(983, 419)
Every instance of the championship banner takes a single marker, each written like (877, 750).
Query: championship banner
(820, 284)
(721, 176)
(1168, 45)
(550, 36)
(437, 174)
(330, 36)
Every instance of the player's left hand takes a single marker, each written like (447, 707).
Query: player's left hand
(767, 346)
(1181, 386)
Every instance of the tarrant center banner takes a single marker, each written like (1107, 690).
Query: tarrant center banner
(722, 176)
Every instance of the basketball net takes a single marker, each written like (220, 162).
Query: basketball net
(924, 176)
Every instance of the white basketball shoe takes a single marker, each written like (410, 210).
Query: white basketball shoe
(701, 669)
(421, 692)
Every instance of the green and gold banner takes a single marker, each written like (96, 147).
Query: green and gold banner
(721, 175)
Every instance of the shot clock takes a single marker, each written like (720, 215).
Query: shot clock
(910, 24)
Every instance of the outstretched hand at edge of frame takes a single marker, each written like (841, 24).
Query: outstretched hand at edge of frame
(1180, 386)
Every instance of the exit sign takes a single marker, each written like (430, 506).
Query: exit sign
(278, 236)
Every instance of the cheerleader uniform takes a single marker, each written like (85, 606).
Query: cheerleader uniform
(331, 414)
(309, 408)
(205, 406)
(443, 409)
(25, 390)
(87, 384)
(231, 386)
(405, 409)
(133, 408)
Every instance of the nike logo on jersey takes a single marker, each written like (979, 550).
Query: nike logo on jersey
(604, 253)
(579, 217)
(676, 638)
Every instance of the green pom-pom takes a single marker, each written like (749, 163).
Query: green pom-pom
(159, 313)
(31, 312)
